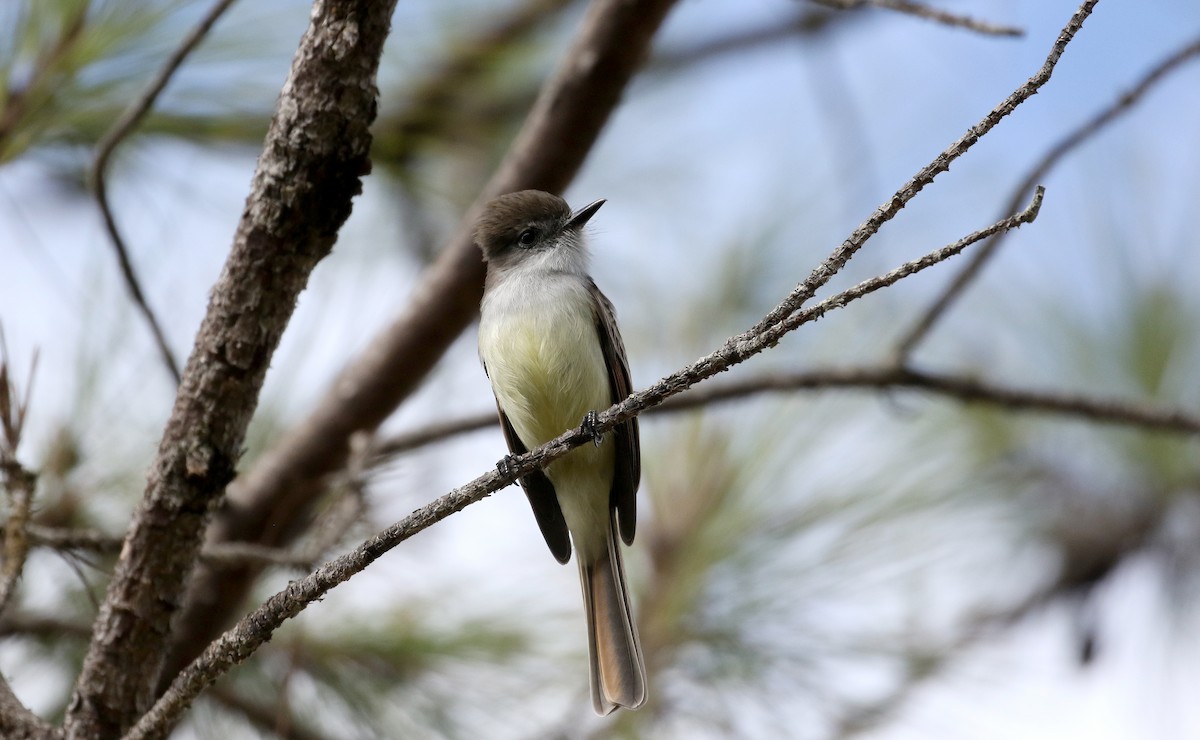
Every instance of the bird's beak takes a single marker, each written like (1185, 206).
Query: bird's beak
(581, 217)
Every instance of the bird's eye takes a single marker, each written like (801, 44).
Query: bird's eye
(527, 237)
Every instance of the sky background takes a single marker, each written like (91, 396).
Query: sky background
(760, 162)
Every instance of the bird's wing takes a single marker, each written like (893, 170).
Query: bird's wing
(628, 446)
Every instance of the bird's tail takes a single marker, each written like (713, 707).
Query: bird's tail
(618, 671)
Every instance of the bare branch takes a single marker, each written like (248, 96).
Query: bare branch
(1056, 153)
(398, 444)
(17, 722)
(314, 156)
(804, 23)
(43, 626)
(929, 13)
(74, 539)
(99, 173)
(270, 503)
(19, 483)
(1113, 411)
(264, 718)
(836, 261)
(256, 628)
(771, 335)
(70, 539)
(968, 390)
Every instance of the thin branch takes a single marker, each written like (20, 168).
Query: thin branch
(403, 442)
(1056, 153)
(264, 718)
(271, 502)
(804, 23)
(98, 176)
(770, 336)
(314, 156)
(72, 539)
(17, 722)
(1112, 411)
(836, 261)
(929, 13)
(43, 626)
(256, 628)
(19, 483)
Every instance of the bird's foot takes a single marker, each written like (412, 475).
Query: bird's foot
(590, 421)
(506, 464)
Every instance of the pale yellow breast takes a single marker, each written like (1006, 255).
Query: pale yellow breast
(544, 361)
(538, 340)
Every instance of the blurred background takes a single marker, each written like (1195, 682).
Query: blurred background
(816, 564)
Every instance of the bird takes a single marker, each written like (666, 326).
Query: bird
(550, 347)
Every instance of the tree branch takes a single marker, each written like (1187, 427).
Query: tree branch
(98, 177)
(17, 722)
(270, 503)
(256, 628)
(19, 483)
(831, 266)
(315, 152)
(924, 11)
(1112, 411)
(1056, 153)
(968, 390)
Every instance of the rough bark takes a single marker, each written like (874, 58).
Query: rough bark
(314, 155)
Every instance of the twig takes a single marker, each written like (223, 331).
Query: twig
(18, 482)
(99, 173)
(70, 539)
(403, 442)
(300, 196)
(836, 261)
(17, 722)
(924, 11)
(968, 390)
(972, 390)
(770, 336)
(256, 628)
(262, 717)
(43, 626)
(1056, 153)
(804, 23)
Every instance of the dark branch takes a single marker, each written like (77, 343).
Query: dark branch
(99, 173)
(314, 156)
(924, 11)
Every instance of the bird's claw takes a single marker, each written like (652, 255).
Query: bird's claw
(506, 464)
(590, 421)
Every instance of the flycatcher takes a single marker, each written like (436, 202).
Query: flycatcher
(550, 345)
